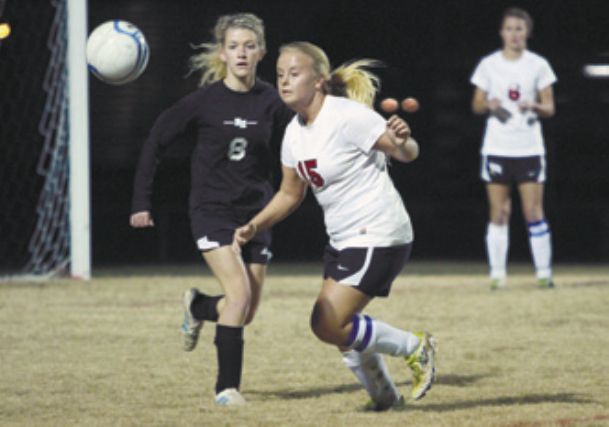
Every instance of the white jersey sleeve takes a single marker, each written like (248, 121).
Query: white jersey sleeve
(546, 75)
(481, 78)
(287, 158)
(363, 127)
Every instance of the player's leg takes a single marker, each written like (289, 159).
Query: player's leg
(530, 173)
(497, 233)
(229, 269)
(256, 274)
(256, 255)
(337, 320)
(330, 320)
(369, 368)
(364, 273)
(371, 371)
(495, 171)
(202, 307)
(531, 195)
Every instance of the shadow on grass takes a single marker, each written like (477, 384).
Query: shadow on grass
(449, 380)
(526, 399)
(587, 283)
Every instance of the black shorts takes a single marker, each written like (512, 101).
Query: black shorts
(211, 230)
(506, 170)
(370, 270)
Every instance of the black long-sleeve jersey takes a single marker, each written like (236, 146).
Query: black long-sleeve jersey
(231, 161)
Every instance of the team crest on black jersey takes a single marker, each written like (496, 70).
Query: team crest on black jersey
(240, 123)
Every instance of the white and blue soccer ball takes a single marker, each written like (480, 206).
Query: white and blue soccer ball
(117, 52)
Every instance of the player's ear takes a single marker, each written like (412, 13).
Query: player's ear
(319, 84)
(222, 54)
(262, 54)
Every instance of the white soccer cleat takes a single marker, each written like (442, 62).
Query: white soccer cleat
(191, 326)
(371, 371)
(396, 404)
(230, 397)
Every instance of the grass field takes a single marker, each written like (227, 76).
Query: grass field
(108, 352)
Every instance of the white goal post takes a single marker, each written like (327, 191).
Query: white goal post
(80, 181)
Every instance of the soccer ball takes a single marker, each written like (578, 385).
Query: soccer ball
(117, 52)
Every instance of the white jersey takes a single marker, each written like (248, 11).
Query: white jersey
(512, 82)
(334, 155)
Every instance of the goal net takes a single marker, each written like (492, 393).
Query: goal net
(35, 235)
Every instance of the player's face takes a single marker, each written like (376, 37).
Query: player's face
(297, 81)
(241, 52)
(514, 33)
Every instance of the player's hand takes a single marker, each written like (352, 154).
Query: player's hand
(493, 104)
(527, 106)
(141, 220)
(398, 129)
(244, 234)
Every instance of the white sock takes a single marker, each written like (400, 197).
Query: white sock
(541, 247)
(371, 371)
(497, 243)
(371, 335)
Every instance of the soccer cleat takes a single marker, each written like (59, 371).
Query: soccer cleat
(191, 326)
(379, 407)
(422, 364)
(230, 397)
(498, 283)
(545, 283)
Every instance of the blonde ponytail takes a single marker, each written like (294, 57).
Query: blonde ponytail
(208, 62)
(351, 80)
(354, 81)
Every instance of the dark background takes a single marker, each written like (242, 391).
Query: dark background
(431, 49)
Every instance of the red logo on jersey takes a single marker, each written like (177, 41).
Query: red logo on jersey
(308, 172)
(514, 92)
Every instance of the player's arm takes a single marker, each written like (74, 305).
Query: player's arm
(290, 195)
(397, 141)
(168, 126)
(482, 105)
(544, 107)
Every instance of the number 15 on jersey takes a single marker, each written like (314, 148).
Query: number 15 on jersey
(306, 170)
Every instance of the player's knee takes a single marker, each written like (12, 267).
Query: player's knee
(533, 213)
(238, 301)
(250, 315)
(323, 327)
(500, 215)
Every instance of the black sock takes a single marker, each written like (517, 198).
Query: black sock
(203, 307)
(229, 343)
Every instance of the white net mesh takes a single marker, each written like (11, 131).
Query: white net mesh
(49, 246)
(43, 225)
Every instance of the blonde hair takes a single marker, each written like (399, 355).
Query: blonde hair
(208, 62)
(351, 80)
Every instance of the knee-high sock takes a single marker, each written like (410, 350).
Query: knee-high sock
(497, 243)
(371, 371)
(372, 335)
(229, 342)
(541, 247)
